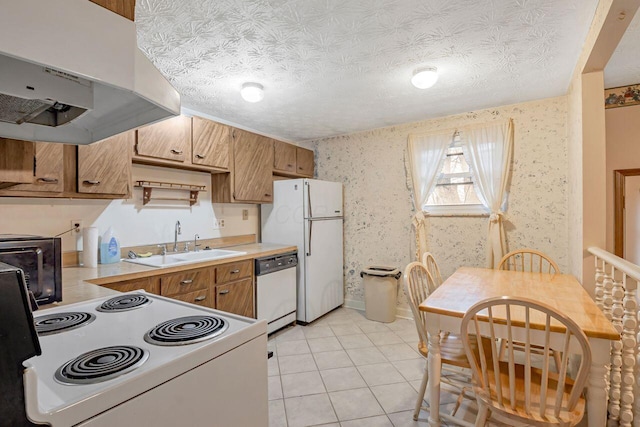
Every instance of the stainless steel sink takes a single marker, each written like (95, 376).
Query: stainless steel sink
(171, 260)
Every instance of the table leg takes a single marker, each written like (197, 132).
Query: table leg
(597, 393)
(434, 364)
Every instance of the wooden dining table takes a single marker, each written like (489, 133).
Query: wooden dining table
(446, 306)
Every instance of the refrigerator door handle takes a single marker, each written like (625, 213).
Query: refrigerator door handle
(309, 241)
(309, 199)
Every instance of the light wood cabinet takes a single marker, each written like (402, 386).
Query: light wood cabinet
(187, 281)
(236, 297)
(234, 288)
(249, 180)
(292, 161)
(16, 162)
(210, 146)
(105, 167)
(124, 8)
(167, 140)
(284, 157)
(304, 162)
(200, 297)
(48, 167)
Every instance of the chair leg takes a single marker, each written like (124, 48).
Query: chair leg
(423, 388)
(483, 415)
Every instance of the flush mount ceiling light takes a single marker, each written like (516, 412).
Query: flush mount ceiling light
(424, 78)
(252, 92)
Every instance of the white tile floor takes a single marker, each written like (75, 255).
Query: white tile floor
(345, 370)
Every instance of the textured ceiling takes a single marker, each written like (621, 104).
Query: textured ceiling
(331, 67)
(624, 66)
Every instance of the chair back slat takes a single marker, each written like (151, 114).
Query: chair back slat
(418, 285)
(432, 266)
(552, 396)
(529, 260)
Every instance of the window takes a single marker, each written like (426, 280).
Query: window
(454, 192)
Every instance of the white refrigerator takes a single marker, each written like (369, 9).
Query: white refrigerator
(307, 213)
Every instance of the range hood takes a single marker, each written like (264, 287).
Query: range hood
(71, 71)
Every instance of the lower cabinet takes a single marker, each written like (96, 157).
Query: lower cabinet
(226, 287)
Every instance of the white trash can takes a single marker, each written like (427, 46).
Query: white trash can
(380, 292)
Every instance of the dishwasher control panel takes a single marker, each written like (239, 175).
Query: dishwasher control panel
(275, 263)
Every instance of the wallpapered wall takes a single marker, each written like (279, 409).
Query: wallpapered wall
(378, 204)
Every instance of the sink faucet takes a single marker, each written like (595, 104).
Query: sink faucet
(178, 231)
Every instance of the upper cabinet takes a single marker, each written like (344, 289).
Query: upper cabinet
(48, 168)
(105, 167)
(124, 8)
(290, 160)
(250, 177)
(166, 140)
(210, 143)
(16, 162)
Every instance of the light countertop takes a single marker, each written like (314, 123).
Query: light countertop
(81, 284)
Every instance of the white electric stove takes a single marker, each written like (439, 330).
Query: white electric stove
(141, 359)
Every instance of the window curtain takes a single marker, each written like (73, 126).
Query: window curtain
(426, 152)
(488, 150)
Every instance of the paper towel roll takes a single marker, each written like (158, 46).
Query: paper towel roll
(90, 247)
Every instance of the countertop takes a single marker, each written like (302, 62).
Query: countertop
(81, 284)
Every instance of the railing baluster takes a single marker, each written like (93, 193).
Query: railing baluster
(616, 294)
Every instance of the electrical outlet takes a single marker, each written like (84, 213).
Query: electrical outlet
(245, 214)
(76, 226)
(218, 224)
(222, 223)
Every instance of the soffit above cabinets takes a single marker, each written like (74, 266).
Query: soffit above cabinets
(333, 67)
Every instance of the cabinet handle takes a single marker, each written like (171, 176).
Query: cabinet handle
(235, 271)
(174, 151)
(226, 291)
(91, 182)
(48, 180)
(200, 298)
(186, 282)
(267, 194)
(199, 156)
(289, 165)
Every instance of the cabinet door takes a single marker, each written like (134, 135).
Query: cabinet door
(253, 166)
(104, 167)
(49, 169)
(234, 271)
(210, 143)
(236, 297)
(124, 8)
(16, 162)
(304, 160)
(186, 281)
(284, 156)
(202, 297)
(169, 139)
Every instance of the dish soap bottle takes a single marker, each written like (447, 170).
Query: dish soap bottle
(109, 248)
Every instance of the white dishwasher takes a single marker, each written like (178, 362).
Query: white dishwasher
(276, 290)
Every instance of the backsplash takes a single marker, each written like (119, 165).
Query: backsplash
(378, 205)
(133, 223)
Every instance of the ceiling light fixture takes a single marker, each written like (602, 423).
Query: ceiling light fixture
(424, 78)
(252, 92)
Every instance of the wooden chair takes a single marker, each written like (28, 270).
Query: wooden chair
(432, 266)
(528, 260)
(418, 285)
(521, 392)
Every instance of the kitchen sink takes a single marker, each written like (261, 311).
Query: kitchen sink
(183, 258)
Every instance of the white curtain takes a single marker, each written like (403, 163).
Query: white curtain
(488, 150)
(426, 152)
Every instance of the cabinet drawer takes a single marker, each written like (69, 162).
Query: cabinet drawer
(149, 284)
(236, 297)
(187, 281)
(201, 297)
(234, 271)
